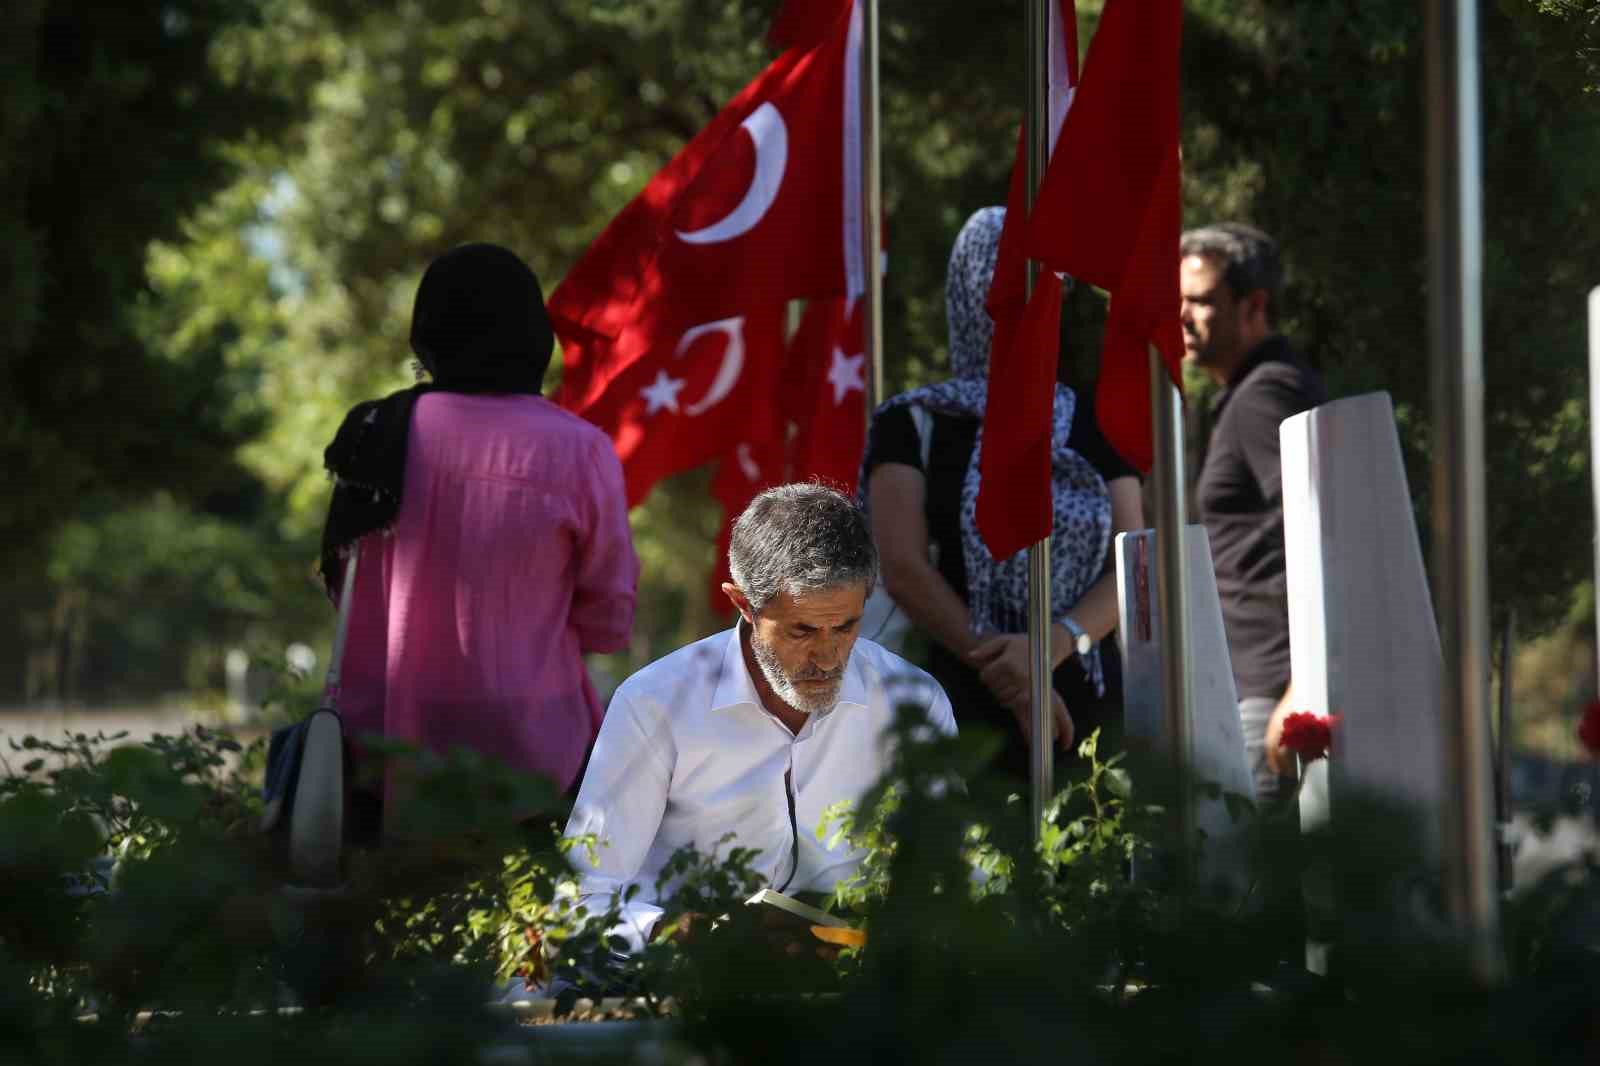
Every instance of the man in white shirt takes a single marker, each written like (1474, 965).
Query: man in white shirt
(757, 730)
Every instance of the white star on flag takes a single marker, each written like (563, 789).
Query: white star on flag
(662, 394)
(846, 374)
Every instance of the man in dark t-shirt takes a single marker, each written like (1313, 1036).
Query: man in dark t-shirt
(1231, 279)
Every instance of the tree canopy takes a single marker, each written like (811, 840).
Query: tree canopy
(227, 205)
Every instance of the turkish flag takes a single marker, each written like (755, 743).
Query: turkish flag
(755, 210)
(1014, 502)
(1007, 290)
(820, 431)
(716, 385)
(1110, 213)
(753, 466)
(803, 23)
(827, 397)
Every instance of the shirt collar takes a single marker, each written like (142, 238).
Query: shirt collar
(735, 687)
(1274, 347)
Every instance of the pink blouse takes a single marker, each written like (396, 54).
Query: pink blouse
(510, 559)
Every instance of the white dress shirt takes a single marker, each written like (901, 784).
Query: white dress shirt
(687, 754)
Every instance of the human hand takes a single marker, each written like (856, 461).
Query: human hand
(1062, 728)
(785, 936)
(1279, 760)
(678, 930)
(1002, 663)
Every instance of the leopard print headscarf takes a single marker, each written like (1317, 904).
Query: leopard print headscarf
(997, 590)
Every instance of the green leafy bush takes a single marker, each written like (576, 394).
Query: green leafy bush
(132, 878)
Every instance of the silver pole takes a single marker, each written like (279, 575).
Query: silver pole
(872, 202)
(1594, 436)
(1455, 328)
(1502, 791)
(1172, 583)
(1037, 115)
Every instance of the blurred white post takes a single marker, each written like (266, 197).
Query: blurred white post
(1037, 114)
(872, 208)
(1172, 586)
(1453, 196)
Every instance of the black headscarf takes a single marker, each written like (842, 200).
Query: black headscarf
(479, 325)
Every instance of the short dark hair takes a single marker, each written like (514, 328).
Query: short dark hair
(1249, 259)
(800, 538)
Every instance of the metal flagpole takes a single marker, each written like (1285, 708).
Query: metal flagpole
(1172, 585)
(872, 213)
(1594, 435)
(1502, 750)
(1455, 341)
(1037, 116)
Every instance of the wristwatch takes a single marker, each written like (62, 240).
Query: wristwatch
(1082, 642)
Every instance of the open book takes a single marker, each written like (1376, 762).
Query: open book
(773, 898)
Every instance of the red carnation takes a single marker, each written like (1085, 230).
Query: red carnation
(1307, 735)
(1589, 728)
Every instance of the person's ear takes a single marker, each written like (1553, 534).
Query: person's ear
(1257, 304)
(741, 603)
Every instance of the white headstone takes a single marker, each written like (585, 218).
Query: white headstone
(1216, 739)
(236, 668)
(1365, 645)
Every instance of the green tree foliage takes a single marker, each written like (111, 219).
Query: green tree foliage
(116, 126)
(275, 303)
(119, 375)
(1569, 36)
(1307, 119)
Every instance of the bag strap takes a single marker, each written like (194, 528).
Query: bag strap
(922, 418)
(347, 595)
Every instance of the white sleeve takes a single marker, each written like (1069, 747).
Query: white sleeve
(920, 689)
(941, 715)
(623, 796)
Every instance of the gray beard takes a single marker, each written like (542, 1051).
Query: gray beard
(784, 689)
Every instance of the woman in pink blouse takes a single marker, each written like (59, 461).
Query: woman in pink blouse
(494, 542)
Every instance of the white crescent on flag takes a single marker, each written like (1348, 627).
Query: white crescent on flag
(732, 360)
(766, 128)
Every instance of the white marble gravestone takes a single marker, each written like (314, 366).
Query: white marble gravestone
(1365, 644)
(1216, 740)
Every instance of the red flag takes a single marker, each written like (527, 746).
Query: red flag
(1112, 216)
(1014, 506)
(828, 394)
(820, 431)
(754, 465)
(802, 23)
(748, 214)
(1006, 292)
(679, 411)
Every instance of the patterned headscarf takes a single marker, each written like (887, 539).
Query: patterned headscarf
(997, 591)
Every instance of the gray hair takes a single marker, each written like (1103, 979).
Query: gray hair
(797, 539)
(1249, 259)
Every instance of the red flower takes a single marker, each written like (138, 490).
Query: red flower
(1307, 735)
(1589, 728)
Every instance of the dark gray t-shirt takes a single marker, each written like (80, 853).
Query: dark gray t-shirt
(1240, 496)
